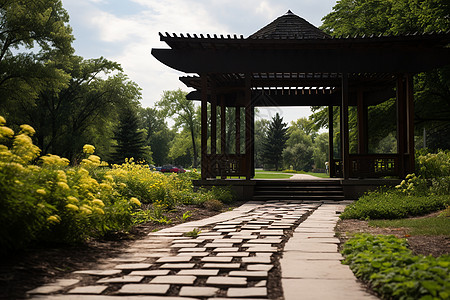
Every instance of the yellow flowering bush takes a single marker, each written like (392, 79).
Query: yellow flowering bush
(50, 200)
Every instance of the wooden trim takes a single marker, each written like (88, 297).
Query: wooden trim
(204, 127)
(345, 131)
(330, 141)
(410, 123)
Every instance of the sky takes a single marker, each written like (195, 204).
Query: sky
(125, 31)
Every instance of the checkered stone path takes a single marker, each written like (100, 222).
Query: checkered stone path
(232, 259)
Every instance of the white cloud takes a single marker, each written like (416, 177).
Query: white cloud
(129, 37)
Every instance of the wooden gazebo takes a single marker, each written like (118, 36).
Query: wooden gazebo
(292, 63)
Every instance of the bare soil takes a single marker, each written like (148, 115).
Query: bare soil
(420, 245)
(42, 263)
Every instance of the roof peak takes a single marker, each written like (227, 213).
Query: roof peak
(289, 26)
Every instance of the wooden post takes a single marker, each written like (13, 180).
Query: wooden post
(363, 141)
(223, 133)
(214, 124)
(331, 164)
(410, 123)
(401, 120)
(248, 128)
(204, 129)
(237, 117)
(344, 128)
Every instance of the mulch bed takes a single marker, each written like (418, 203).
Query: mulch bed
(42, 263)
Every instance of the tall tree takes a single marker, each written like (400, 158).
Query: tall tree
(299, 149)
(32, 34)
(130, 139)
(275, 142)
(432, 89)
(184, 113)
(158, 135)
(261, 129)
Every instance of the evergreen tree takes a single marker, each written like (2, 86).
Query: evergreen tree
(130, 139)
(275, 142)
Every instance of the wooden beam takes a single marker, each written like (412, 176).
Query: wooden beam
(401, 121)
(331, 165)
(363, 142)
(344, 128)
(313, 60)
(410, 122)
(204, 127)
(237, 117)
(214, 124)
(249, 131)
(223, 131)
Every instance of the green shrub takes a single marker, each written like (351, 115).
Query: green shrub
(223, 194)
(434, 165)
(52, 201)
(386, 263)
(213, 204)
(392, 205)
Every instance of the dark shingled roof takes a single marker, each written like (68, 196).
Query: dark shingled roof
(289, 26)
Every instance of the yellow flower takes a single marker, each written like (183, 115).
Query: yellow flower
(72, 207)
(109, 177)
(27, 129)
(86, 209)
(88, 149)
(6, 132)
(53, 219)
(2, 121)
(98, 202)
(99, 210)
(72, 199)
(105, 186)
(135, 201)
(63, 186)
(41, 192)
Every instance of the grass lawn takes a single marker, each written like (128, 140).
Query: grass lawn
(418, 226)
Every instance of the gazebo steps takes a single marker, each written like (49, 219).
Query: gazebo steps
(299, 190)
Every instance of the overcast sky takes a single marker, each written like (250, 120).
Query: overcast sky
(125, 31)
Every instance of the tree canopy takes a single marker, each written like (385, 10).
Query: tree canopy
(275, 142)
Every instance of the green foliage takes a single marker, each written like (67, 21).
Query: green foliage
(193, 233)
(434, 165)
(419, 226)
(186, 215)
(275, 142)
(299, 149)
(52, 201)
(223, 194)
(386, 263)
(175, 104)
(213, 204)
(130, 140)
(393, 205)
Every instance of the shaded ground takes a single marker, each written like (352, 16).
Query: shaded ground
(425, 245)
(40, 264)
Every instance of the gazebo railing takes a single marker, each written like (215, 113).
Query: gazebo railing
(226, 165)
(370, 166)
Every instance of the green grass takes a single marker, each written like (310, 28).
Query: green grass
(422, 226)
(271, 175)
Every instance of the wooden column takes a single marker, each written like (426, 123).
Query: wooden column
(237, 117)
(204, 127)
(401, 121)
(249, 131)
(223, 132)
(331, 164)
(344, 128)
(410, 123)
(363, 140)
(214, 124)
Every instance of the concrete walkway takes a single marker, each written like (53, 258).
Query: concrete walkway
(232, 258)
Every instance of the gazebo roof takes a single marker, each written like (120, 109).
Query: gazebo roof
(289, 26)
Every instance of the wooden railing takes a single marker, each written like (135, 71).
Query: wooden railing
(370, 166)
(226, 165)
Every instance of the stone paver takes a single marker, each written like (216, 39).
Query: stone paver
(232, 256)
(198, 291)
(174, 279)
(247, 292)
(90, 289)
(155, 289)
(226, 281)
